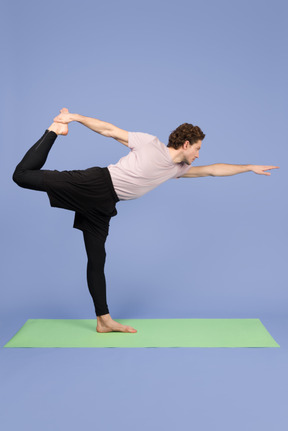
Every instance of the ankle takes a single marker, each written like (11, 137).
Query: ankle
(104, 317)
(55, 127)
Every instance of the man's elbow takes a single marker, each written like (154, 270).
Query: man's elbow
(118, 134)
(206, 171)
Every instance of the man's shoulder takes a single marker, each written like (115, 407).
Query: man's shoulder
(137, 139)
(143, 135)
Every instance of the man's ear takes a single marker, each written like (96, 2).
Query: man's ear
(186, 145)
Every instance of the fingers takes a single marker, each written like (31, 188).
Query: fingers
(266, 168)
(61, 118)
(270, 167)
(262, 171)
(57, 119)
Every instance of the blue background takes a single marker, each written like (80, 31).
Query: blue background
(212, 247)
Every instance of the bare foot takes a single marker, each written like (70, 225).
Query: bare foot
(107, 324)
(64, 117)
(59, 128)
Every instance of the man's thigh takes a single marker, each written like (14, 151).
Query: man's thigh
(30, 179)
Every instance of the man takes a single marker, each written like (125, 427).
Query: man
(93, 193)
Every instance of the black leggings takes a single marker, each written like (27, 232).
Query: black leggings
(28, 174)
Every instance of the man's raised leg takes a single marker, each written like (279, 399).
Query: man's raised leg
(28, 172)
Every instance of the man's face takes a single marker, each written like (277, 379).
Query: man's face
(191, 152)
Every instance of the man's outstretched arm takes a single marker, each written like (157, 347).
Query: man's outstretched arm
(225, 169)
(98, 126)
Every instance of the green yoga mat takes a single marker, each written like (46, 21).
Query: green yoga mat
(151, 333)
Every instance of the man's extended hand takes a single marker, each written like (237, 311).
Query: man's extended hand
(259, 169)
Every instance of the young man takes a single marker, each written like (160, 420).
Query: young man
(93, 193)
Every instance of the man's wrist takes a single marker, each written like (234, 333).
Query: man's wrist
(75, 117)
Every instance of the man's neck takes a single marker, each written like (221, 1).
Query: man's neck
(175, 155)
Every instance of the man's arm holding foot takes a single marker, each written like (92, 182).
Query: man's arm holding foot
(98, 126)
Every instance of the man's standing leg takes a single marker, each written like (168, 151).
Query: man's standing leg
(95, 249)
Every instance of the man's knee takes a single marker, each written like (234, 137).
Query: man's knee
(29, 179)
(18, 177)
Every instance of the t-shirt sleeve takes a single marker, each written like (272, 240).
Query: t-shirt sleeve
(135, 139)
(182, 170)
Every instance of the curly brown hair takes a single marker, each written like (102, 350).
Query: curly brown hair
(185, 132)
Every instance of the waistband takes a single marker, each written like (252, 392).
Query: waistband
(107, 176)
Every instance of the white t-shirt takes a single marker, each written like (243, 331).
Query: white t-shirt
(146, 166)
